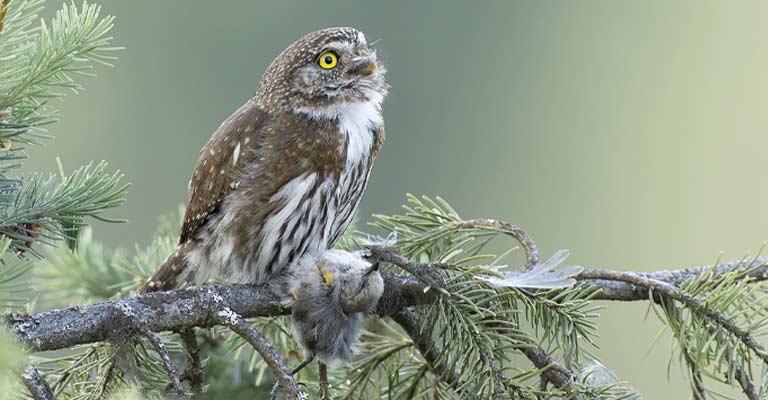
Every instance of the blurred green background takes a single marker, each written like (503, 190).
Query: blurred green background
(631, 133)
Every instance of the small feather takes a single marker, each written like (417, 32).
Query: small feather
(596, 374)
(378, 241)
(545, 275)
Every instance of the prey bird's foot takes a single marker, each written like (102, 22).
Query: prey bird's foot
(325, 387)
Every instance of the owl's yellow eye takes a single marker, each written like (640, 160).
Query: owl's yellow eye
(328, 60)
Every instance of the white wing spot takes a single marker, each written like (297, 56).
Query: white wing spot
(236, 154)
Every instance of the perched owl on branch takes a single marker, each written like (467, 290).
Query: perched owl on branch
(282, 177)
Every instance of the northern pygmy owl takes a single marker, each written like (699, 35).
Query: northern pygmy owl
(282, 177)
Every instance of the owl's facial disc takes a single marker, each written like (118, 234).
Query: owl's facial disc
(342, 71)
(321, 71)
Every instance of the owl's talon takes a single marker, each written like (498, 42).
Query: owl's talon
(325, 273)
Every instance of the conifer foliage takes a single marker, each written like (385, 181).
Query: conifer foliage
(40, 62)
(467, 333)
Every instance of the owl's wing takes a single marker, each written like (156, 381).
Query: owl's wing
(219, 164)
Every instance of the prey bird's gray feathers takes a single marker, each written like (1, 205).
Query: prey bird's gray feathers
(331, 296)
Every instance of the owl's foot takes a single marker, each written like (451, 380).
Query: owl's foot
(325, 273)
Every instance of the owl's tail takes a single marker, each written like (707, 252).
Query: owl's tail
(172, 273)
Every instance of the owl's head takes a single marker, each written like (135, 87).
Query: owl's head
(324, 68)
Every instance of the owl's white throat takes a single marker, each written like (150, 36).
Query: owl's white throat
(357, 120)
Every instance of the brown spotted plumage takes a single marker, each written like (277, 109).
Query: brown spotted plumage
(215, 171)
(283, 175)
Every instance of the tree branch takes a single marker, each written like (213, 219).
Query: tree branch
(36, 385)
(265, 349)
(197, 306)
(744, 382)
(3, 5)
(194, 370)
(625, 291)
(324, 391)
(201, 307)
(438, 362)
(553, 372)
(670, 291)
(426, 273)
(526, 242)
(426, 346)
(159, 347)
(173, 311)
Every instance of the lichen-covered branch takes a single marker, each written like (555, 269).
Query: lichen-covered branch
(36, 385)
(268, 352)
(626, 291)
(201, 307)
(173, 373)
(747, 387)
(194, 371)
(173, 311)
(197, 307)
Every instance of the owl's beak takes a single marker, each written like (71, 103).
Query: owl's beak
(364, 65)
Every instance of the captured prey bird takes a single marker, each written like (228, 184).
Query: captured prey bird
(282, 177)
(330, 295)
